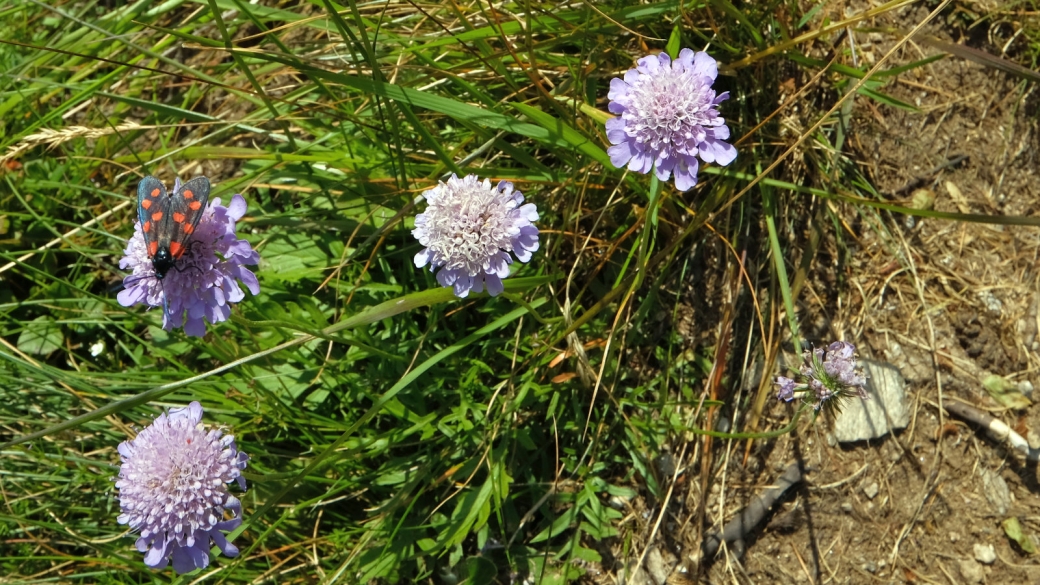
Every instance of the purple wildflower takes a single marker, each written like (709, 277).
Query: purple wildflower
(203, 284)
(468, 230)
(825, 374)
(173, 489)
(667, 117)
(787, 388)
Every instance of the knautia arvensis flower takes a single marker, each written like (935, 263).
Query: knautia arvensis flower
(204, 283)
(173, 489)
(469, 229)
(825, 377)
(667, 117)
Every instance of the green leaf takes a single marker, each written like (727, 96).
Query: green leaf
(809, 15)
(454, 108)
(886, 99)
(1005, 392)
(41, 336)
(479, 570)
(468, 511)
(166, 111)
(674, 42)
(1013, 530)
(561, 131)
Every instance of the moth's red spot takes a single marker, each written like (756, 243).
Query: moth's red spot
(195, 205)
(188, 194)
(147, 227)
(147, 204)
(178, 217)
(176, 249)
(153, 248)
(188, 229)
(155, 192)
(157, 216)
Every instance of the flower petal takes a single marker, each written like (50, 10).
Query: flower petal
(249, 279)
(618, 89)
(422, 258)
(195, 327)
(704, 65)
(237, 208)
(621, 153)
(223, 544)
(717, 151)
(156, 557)
(129, 297)
(616, 131)
(494, 284)
(686, 173)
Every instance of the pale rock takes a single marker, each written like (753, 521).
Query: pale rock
(996, 491)
(985, 554)
(971, 571)
(886, 409)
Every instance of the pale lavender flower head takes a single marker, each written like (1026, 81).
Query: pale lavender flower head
(786, 389)
(469, 229)
(204, 283)
(668, 117)
(173, 489)
(825, 377)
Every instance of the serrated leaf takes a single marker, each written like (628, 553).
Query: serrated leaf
(41, 336)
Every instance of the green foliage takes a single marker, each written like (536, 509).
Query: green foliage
(396, 434)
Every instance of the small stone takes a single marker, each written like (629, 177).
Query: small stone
(666, 464)
(955, 536)
(628, 576)
(886, 409)
(971, 571)
(1025, 387)
(660, 564)
(996, 491)
(846, 507)
(985, 554)
(871, 490)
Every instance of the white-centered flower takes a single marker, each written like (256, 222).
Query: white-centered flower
(173, 489)
(469, 229)
(668, 117)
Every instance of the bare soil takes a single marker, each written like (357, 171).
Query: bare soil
(948, 303)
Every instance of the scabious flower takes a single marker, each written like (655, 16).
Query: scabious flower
(468, 230)
(203, 284)
(173, 489)
(825, 377)
(667, 117)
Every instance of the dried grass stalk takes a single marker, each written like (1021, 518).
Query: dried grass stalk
(53, 138)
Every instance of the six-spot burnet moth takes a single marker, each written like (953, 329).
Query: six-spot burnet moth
(169, 219)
